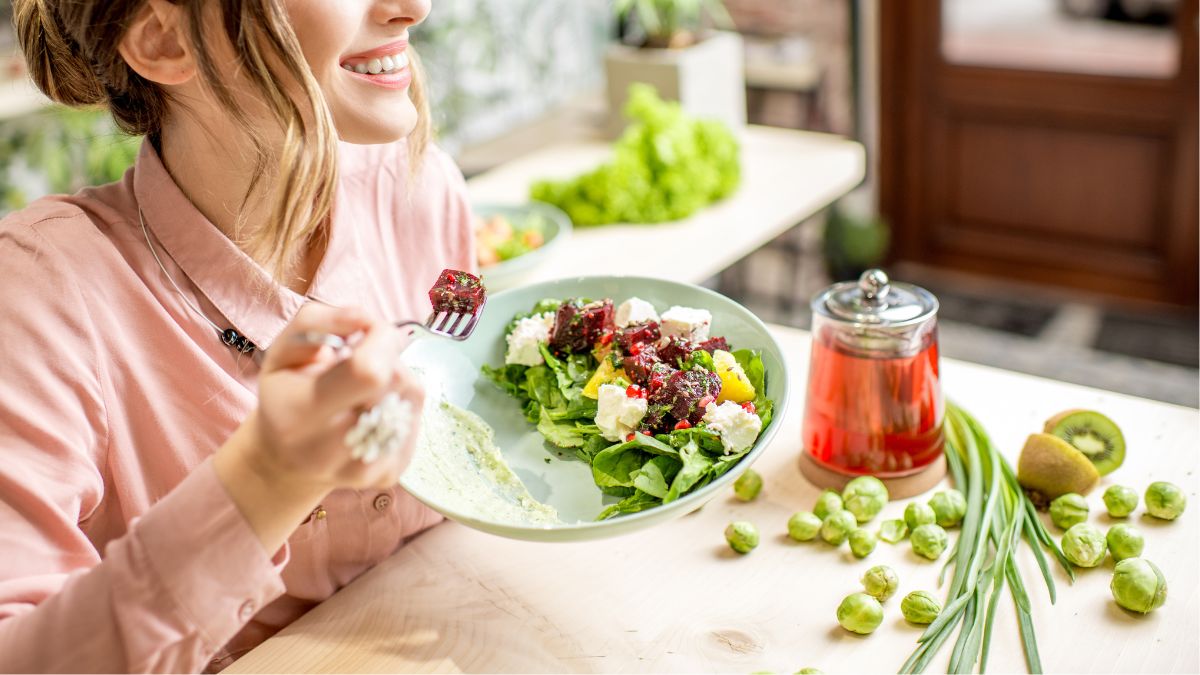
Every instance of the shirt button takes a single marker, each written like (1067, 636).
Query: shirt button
(246, 611)
(383, 501)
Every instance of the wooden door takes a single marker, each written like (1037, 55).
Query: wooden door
(1079, 179)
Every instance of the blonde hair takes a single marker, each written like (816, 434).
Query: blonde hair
(70, 47)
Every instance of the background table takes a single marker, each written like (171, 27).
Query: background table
(676, 599)
(787, 176)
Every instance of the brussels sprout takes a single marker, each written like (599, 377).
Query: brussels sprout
(742, 536)
(1124, 541)
(1165, 500)
(1069, 509)
(917, 514)
(880, 582)
(929, 540)
(860, 613)
(837, 526)
(829, 502)
(1084, 545)
(865, 497)
(893, 531)
(1138, 585)
(949, 507)
(747, 486)
(861, 543)
(1120, 501)
(920, 607)
(803, 526)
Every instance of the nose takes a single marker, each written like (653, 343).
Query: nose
(400, 13)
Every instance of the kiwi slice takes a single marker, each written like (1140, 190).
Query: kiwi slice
(1093, 434)
(1049, 467)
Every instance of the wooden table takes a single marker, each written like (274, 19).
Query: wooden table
(676, 599)
(787, 176)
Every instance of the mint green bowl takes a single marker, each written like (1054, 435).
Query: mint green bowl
(565, 482)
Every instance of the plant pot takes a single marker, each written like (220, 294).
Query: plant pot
(706, 78)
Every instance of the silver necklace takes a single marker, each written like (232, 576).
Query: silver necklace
(228, 336)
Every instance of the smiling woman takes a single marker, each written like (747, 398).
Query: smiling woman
(177, 484)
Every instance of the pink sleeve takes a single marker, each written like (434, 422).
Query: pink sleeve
(167, 594)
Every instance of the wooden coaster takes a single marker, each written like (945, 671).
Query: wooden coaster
(898, 488)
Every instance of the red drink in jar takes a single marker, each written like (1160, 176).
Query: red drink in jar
(874, 403)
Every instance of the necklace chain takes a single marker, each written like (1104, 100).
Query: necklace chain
(228, 336)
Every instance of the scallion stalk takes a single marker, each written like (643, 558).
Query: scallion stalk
(999, 517)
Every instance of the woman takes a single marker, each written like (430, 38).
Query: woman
(176, 484)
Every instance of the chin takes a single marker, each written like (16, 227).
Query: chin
(360, 128)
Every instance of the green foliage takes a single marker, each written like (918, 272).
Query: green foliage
(665, 167)
(70, 149)
(660, 20)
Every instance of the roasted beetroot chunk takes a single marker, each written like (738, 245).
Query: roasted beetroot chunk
(577, 327)
(638, 366)
(638, 334)
(680, 397)
(712, 344)
(675, 351)
(457, 291)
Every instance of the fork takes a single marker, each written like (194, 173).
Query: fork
(440, 324)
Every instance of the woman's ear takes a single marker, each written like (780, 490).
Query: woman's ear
(156, 46)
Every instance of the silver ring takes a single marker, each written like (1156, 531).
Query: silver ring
(381, 430)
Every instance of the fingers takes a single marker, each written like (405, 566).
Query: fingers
(362, 378)
(296, 345)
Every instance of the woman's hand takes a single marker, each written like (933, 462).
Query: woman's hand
(290, 452)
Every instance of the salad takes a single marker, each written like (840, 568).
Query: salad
(499, 237)
(655, 404)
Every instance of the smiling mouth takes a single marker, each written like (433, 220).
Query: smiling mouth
(378, 65)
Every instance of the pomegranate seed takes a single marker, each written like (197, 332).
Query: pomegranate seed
(705, 401)
(606, 338)
(642, 393)
(629, 437)
(748, 406)
(632, 391)
(683, 424)
(635, 349)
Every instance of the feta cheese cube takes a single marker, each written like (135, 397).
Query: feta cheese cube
(618, 415)
(738, 429)
(524, 339)
(686, 322)
(635, 310)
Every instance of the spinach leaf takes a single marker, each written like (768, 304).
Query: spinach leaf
(700, 358)
(510, 378)
(655, 475)
(568, 434)
(696, 466)
(751, 361)
(638, 501)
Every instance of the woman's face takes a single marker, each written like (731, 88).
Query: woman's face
(357, 50)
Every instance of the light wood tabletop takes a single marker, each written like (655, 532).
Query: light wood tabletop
(787, 176)
(675, 598)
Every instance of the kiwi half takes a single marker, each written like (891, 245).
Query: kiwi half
(1049, 467)
(1093, 434)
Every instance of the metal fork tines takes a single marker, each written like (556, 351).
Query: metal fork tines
(450, 324)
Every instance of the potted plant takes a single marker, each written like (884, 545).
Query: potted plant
(668, 45)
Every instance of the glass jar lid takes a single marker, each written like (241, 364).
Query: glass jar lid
(876, 300)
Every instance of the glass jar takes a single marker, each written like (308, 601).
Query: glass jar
(874, 403)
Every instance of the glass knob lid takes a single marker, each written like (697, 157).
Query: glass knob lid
(876, 300)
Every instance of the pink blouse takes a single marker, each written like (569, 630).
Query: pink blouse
(119, 549)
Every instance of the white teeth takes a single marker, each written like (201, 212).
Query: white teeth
(401, 60)
(387, 63)
(347, 66)
(374, 66)
(361, 69)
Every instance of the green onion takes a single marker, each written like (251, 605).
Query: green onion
(999, 517)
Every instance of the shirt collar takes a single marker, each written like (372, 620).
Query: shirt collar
(241, 290)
